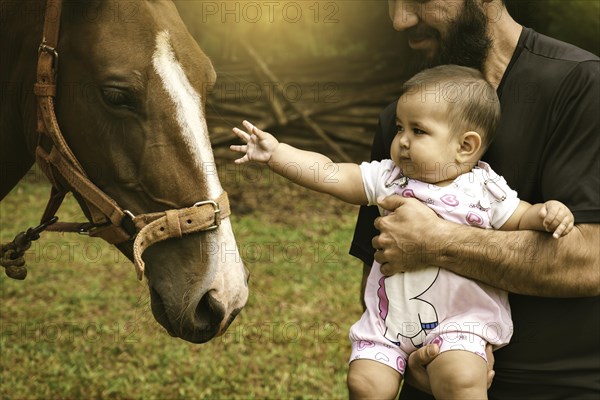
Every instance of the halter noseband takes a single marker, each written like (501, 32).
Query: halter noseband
(108, 221)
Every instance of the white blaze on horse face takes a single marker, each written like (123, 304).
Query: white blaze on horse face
(229, 285)
(188, 110)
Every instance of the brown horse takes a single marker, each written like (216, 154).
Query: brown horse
(129, 100)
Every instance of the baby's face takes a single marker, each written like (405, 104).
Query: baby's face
(424, 146)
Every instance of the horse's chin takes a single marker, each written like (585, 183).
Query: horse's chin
(160, 313)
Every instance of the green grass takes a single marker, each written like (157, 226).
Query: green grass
(80, 325)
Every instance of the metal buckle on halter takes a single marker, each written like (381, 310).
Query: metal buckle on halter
(217, 211)
(52, 51)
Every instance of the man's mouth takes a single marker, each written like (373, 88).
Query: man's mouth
(420, 37)
(419, 42)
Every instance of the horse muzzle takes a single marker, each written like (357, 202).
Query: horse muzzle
(198, 285)
(207, 320)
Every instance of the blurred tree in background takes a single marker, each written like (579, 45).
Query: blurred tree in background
(304, 29)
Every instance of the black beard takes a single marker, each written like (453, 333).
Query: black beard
(467, 43)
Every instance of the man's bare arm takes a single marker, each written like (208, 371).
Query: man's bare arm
(524, 262)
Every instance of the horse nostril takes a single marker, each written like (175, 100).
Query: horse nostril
(210, 312)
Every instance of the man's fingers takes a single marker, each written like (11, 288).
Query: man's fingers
(379, 256)
(390, 203)
(378, 245)
(377, 225)
(416, 373)
(386, 269)
(425, 355)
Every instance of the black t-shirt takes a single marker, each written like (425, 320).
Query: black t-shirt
(547, 147)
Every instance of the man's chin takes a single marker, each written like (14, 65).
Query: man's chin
(422, 60)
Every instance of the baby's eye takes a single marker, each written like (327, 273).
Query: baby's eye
(418, 131)
(399, 128)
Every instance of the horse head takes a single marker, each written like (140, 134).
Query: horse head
(130, 103)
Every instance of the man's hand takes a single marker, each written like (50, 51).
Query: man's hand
(416, 372)
(404, 234)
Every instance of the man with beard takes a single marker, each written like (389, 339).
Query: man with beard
(546, 147)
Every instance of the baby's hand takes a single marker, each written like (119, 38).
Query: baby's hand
(557, 218)
(259, 146)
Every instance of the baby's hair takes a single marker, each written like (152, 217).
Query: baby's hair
(472, 103)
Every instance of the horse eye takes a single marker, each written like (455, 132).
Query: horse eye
(118, 98)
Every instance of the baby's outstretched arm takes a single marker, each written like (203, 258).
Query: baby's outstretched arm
(551, 216)
(309, 169)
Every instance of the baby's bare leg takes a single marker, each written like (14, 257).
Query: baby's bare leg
(459, 375)
(368, 379)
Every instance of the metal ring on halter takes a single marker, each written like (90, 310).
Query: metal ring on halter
(128, 223)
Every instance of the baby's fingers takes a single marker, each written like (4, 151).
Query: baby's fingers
(563, 228)
(242, 160)
(253, 130)
(239, 148)
(557, 219)
(550, 218)
(241, 134)
(249, 127)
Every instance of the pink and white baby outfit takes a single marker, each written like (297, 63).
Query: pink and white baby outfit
(433, 305)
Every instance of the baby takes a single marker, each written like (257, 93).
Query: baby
(446, 118)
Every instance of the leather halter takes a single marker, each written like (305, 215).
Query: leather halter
(108, 221)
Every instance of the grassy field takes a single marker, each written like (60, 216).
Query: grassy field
(80, 325)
